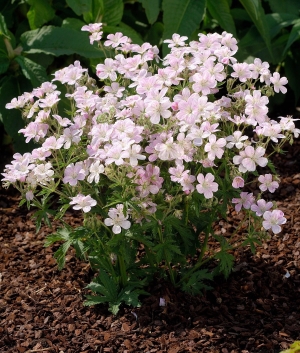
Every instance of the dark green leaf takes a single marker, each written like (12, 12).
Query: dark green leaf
(59, 41)
(294, 35)
(226, 262)
(40, 12)
(60, 254)
(152, 8)
(182, 17)
(112, 12)
(80, 6)
(73, 23)
(292, 72)
(221, 12)
(94, 300)
(34, 72)
(257, 14)
(4, 63)
(197, 282)
(3, 27)
(285, 6)
(277, 21)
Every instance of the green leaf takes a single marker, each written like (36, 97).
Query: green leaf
(152, 8)
(277, 21)
(80, 6)
(59, 41)
(292, 72)
(294, 35)
(73, 23)
(61, 234)
(40, 12)
(257, 14)
(285, 6)
(60, 254)
(94, 300)
(34, 72)
(226, 262)
(126, 30)
(182, 17)
(3, 27)
(196, 282)
(112, 12)
(221, 12)
(4, 63)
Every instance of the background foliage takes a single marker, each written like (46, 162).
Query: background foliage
(38, 37)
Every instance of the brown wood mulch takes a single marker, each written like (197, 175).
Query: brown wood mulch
(257, 309)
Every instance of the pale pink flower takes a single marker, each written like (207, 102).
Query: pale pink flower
(114, 40)
(83, 202)
(241, 71)
(214, 147)
(96, 168)
(206, 185)
(74, 173)
(273, 220)
(238, 182)
(117, 219)
(246, 200)
(249, 158)
(267, 183)
(279, 83)
(176, 40)
(261, 206)
(236, 140)
(203, 82)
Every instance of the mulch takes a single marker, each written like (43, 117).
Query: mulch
(257, 309)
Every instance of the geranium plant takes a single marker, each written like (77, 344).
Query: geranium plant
(152, 154)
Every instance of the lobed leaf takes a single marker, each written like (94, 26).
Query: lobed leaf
(80, 6)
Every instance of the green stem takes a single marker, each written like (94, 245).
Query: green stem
(199, 261)
(122, 268)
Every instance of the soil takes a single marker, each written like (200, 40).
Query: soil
(255, 310)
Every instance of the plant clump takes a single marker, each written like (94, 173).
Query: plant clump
(152, 153)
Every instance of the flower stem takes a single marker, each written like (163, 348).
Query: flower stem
(122, 268)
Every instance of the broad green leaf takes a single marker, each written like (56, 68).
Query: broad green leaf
(40, 12)
(285, 6)
(31, 70)
(80, 6)
(112, 12)
(126, 30)
(3, 27)
(152, 8)
(292, 72)
(221, 12)
(240, 14)
(155, 33)
(257, 14)
(182, 17)
(59, 41)
(277, 21)
(73, 23)
(294, 35)
(4, 63)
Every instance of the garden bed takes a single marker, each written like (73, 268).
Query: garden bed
(255, 310)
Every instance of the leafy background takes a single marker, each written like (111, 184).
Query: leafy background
(38, 37)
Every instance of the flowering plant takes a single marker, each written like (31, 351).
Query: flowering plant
(153, 155)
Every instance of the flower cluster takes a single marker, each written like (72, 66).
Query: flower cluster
(151, 128)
